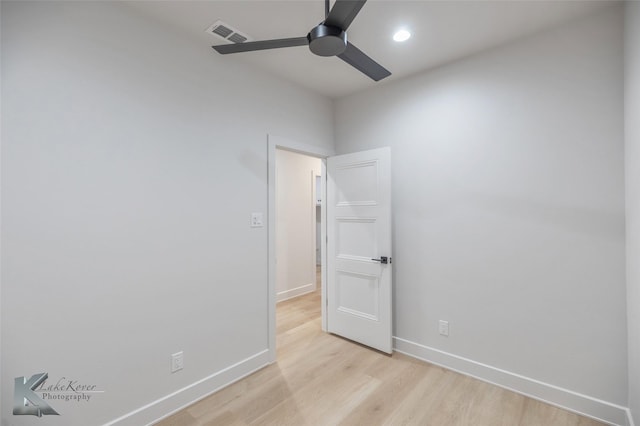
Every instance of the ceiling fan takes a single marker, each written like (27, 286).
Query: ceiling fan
(329, 38)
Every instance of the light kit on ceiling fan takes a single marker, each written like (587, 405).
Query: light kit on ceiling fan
(329, 38)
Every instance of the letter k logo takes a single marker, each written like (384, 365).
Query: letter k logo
(26, 401)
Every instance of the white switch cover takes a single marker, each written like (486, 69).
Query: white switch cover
(256, 220)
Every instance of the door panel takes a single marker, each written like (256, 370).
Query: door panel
(359, 231)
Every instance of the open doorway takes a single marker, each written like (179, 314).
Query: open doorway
(298, 224)
(275, 145)
(357, 218)
(298, 252)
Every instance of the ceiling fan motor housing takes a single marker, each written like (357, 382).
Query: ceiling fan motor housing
(327, 41)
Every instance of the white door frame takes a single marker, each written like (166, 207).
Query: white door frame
(273, 143)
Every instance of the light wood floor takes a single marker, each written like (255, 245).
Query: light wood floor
(321, 379)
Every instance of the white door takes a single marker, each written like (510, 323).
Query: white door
(359, 240)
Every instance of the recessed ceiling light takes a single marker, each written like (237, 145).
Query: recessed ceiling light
(401, 35)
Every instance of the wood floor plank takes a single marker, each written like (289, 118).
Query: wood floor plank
(425, 393)
(321, 379)
(182, 418)
(226, 418)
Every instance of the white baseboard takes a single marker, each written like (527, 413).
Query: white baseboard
(582, 404)
(295, 292)
(630, 421)
(168, 405)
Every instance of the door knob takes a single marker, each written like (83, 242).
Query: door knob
(383, 259)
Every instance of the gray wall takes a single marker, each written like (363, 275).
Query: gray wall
(128, 178)
(131, 161)
(632, 155)
(509, 204)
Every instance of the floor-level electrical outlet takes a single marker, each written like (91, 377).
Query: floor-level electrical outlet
(443, 328)
(177, 361)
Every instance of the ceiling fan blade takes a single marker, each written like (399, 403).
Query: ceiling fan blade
(261, 45)
(343, 13)
(360, 61)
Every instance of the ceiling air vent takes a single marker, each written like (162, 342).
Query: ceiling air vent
(237, 38)
(227, 32)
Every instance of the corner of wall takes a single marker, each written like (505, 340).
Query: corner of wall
(632, 195)
(630, 421)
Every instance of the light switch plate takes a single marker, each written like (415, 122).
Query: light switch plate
(256, 220)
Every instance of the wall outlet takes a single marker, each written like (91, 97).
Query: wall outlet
(177, 361)
(443, 327)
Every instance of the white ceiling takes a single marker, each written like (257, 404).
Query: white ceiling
(442, 31)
